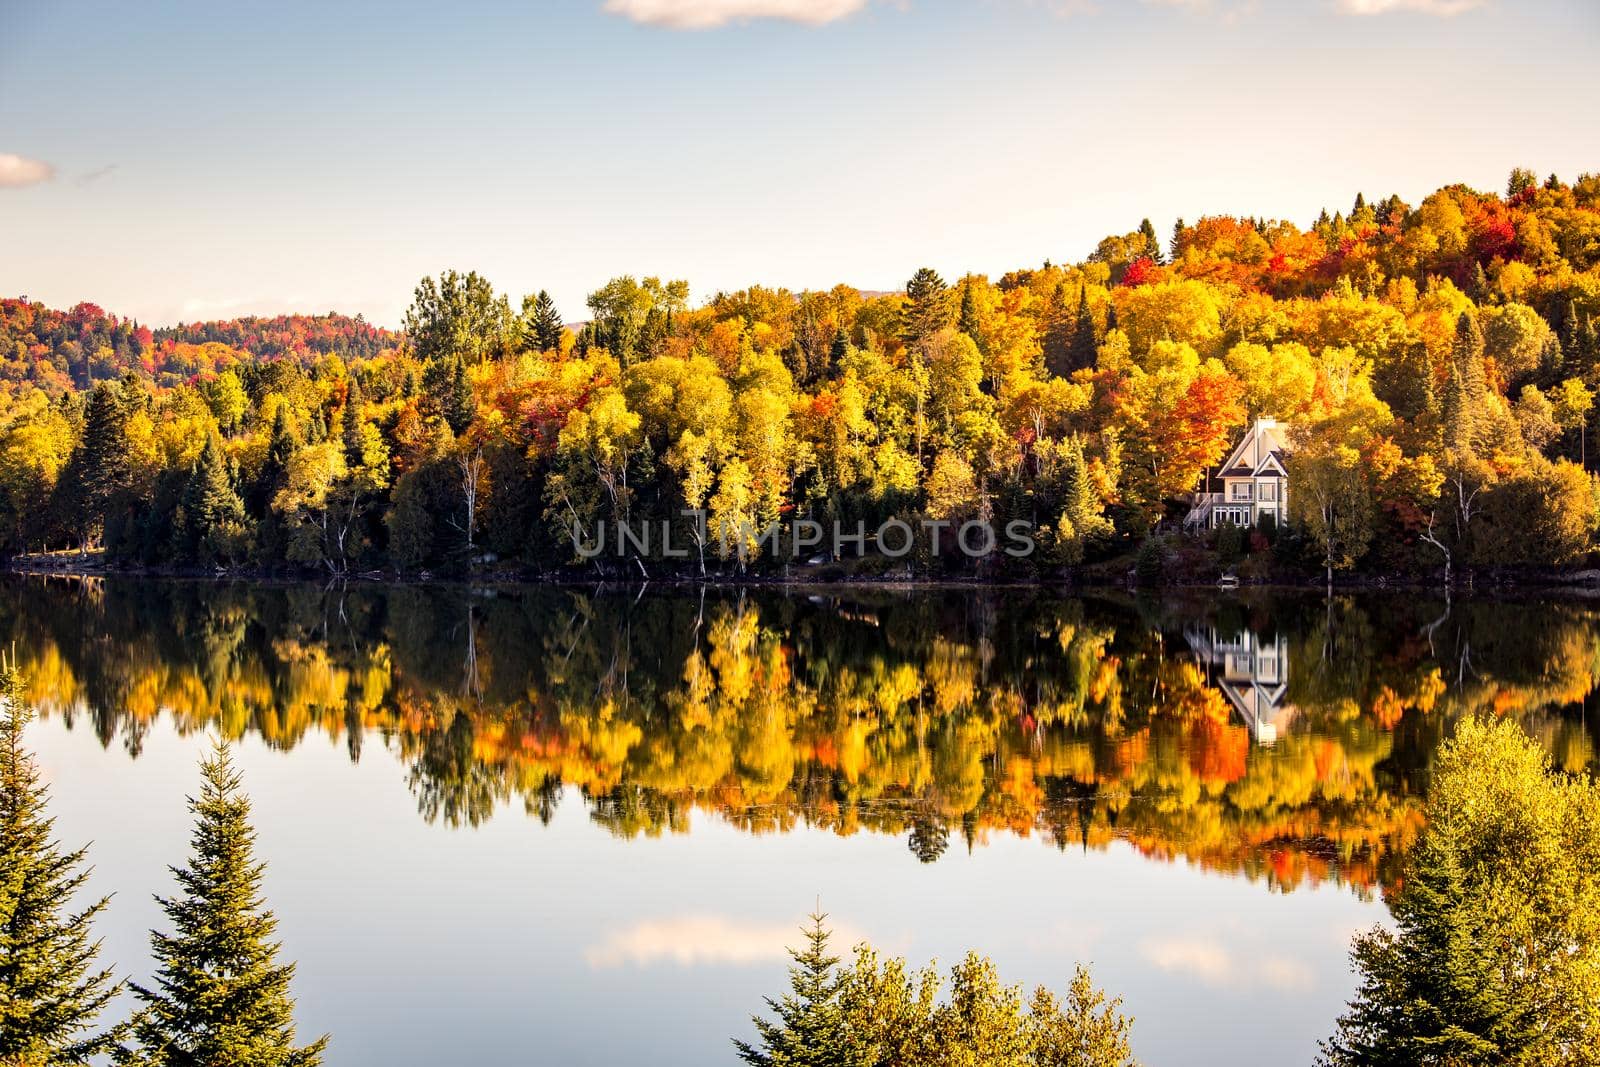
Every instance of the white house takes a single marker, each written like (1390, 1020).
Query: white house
(1250, 485)
(1252, 672)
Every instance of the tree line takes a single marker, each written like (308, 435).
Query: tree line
(1437, 365)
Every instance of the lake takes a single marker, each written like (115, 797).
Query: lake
(579, 826)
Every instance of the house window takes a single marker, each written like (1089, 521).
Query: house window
(1239, 491)
(1269, 490)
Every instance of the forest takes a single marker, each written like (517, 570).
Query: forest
(1436, 364)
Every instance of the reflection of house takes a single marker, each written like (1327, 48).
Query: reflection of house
(1252, 672)
(1252, 484)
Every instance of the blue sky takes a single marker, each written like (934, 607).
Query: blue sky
(187, 161)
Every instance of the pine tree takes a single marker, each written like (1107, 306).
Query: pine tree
(1152, 243)
(351, 423)
(210, 503)
(1405, 381)
(220, 997)
(841, 346)
(275, 467)
(967, 319)
(809, 1030)
(542, 326)
(927, 308)
(51, 992)
(103, 468)
(1081, 349)
(1466, 389)
(449, 392)
(1177, 240)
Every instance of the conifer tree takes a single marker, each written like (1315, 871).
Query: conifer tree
(967, 319)
(1495, 958)
(542, 326)
(1177, 240)
(210, 503)
(51, 990)
(275, 467)
(351, 422)
(1152, 243)
(927, 309)
(220, 996)
(841, 346)
(1081, 351)
(809, 1029)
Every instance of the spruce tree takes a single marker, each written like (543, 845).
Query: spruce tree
(840, 347)
(209, 500)
(275, 467)
(1081, 350)
(350, 429)
(927, 308)
(1152, 243)
(967, 319)
(542, 326)
(51, 991)
(1177, 240)
(809, 1029)
(220, 997)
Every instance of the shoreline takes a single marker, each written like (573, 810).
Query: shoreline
(1577, 581)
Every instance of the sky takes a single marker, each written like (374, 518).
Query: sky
(187, 161)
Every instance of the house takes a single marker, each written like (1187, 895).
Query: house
(1252, 671)
(1250, 485)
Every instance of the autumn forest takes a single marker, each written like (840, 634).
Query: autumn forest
(1436, 364)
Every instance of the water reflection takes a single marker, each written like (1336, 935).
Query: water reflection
(1283, 738)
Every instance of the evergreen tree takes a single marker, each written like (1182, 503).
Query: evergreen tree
(542, 327)
(1058, 335)
(967, 319)
(1405, 381)
(1466, 389)
(841, 346)
(275, 467)
(1152, 243)
(809, 1030)
(449, 392)
(351, 423)
(51, 992)
(220, 997)
(1496, 954)
(1081, 349)
(210, 504)
(101, 467)
(1177, 240)
(927, 308)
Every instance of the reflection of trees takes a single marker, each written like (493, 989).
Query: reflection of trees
(1082, 721)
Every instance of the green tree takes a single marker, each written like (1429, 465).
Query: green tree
(1496, 954)
(927, 307)
(448, 392)
(51, 990)
(542, 328)
(1152, 243)
(458, 316)
(213, 513)
(220, 997)
(809, 1028)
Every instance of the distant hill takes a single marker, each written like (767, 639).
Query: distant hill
(60, 350)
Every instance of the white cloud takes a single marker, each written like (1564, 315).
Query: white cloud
(709, 14)
(689, 940)
(1440, 8)
(17, 171)
(1209, 960)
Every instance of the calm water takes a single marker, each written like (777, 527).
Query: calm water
(578, 827)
